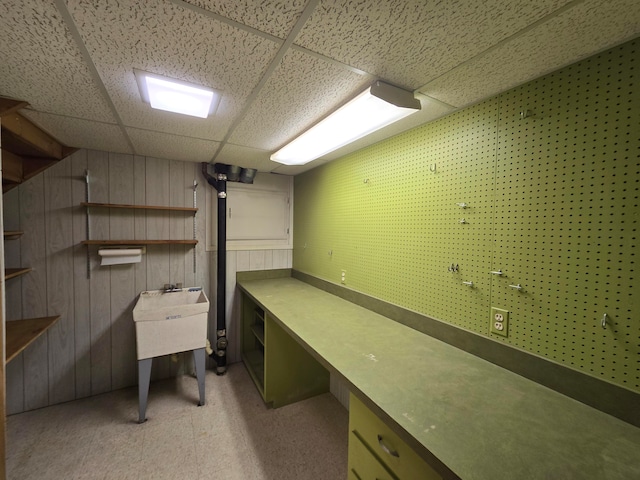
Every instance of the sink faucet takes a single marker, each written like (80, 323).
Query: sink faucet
(169, 287)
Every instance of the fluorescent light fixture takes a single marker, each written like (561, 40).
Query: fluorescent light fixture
(172, 95)
(378, 106)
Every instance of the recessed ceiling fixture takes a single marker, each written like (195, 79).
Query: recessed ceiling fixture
(172, 95)
(378, 106)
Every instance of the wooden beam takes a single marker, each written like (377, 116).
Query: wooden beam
(66, 151)
(8, 106)
(11, 167)
(32, 166)
(32, 135)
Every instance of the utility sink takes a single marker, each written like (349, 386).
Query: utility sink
(170, 321)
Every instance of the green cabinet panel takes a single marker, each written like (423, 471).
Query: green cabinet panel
(376, 449)
(363, 465)
(283, 371)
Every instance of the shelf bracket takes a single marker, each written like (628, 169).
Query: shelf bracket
(195, 187)
(88, 232)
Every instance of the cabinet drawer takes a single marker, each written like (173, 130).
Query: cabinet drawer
(363, 465)
(405, 463)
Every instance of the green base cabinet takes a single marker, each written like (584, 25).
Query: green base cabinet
(377, 453)
(281, 368)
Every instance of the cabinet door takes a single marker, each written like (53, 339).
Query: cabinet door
(260, 215)
(257, 215)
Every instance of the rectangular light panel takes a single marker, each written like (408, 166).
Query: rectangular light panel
(176, 96)
(363, 115)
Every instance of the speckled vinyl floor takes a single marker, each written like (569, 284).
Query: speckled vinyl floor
(233, 437)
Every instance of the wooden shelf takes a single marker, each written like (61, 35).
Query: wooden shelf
(13, 233)
(156, 208)
(139, 207)
(20, 333)
(254, 360)
(15, 272)
(139, 242)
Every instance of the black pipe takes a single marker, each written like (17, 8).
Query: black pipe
(219, 182)
(223, 173)
(221, 332)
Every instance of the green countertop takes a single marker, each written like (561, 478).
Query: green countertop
(478, 419)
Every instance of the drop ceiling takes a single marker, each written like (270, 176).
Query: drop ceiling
(281, 65)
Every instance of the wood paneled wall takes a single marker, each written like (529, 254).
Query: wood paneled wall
(91, 349)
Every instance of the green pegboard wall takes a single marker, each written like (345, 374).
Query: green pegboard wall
(566, 215)
(393, 208)
(552, 201)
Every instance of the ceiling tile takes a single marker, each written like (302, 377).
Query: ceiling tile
(587, 28)
(411, 42)
(162, 38)
(41, 64)
(174, 147)
(270, 16)
(80, 133)
(300, 91)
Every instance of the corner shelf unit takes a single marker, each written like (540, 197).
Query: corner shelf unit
(14, 272)
(19, 334)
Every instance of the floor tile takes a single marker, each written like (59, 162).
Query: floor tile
(234, 436)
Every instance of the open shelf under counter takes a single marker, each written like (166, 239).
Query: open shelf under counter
(21, 333)
(258, 331)
(254, 360)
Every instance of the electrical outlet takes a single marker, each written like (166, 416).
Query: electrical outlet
(499, 322)
(343, 278)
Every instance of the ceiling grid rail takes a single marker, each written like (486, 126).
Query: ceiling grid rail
(310, 7)
(75, 33)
